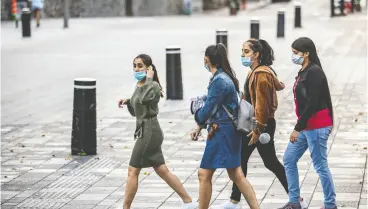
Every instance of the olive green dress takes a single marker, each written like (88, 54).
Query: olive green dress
(144, 106)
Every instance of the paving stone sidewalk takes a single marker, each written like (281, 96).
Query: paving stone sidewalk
(37, 170)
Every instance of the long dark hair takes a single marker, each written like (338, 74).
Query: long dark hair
(305, 44)
(147, 60)
(218, 57)
(266, 55)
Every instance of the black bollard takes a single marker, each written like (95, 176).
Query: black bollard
(254, 28)
(332, 8)
(281, 23)
(174, 84)
(84, 137)
(26, 22)
(298, 15)
(66, 13)
(129, 8)
(221, 37)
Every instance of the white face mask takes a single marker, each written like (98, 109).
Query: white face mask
(297, 59)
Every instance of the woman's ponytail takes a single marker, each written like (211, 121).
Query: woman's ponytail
(155, 78)
(267, 55)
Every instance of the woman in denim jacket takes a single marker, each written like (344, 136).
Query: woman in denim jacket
(224, 141)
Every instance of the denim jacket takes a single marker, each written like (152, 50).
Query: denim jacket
(221, 91)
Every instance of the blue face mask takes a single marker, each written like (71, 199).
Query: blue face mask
(207, 68)
(246, 61)
(140, 75)
(297, 59)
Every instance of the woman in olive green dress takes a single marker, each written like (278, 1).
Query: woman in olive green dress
(148, 134)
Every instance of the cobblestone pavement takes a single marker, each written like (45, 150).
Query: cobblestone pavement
(37, 170)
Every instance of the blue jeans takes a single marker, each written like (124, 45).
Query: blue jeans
(316, 140)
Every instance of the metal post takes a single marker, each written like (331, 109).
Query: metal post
(281, 23)
(332, 7)
(26, 22)
(298, 15)
(66, 13)
(174, 83)
(84, 136)
(129, 7)
(221, 37)
(254, 28)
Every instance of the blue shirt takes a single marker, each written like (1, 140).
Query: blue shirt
(221, 91)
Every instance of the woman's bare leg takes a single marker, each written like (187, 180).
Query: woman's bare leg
(131, 186)
(205, 187)
(173, 182)
(237, 176)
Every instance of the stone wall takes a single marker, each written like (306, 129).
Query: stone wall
(115, 8)
(157, 7)
(85, 8)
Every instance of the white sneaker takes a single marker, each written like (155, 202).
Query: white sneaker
(228, 205)
(304, 203)
(192, 205)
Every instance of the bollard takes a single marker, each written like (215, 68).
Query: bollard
(66, 13)
(221, 37)
(298, 15)
(84, 137)
(254, 28)
(174, 84)
(332, 8)
(26, 22)
(129, 8)
(281, 23)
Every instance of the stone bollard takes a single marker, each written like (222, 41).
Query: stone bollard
(174, 83)
(221, 37)
(26, 22)
(298, 15)
(254, 28)
(281, 23)
(84, 136)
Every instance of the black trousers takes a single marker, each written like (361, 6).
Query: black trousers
(268, 155)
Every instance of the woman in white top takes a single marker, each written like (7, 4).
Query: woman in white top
(37, 5)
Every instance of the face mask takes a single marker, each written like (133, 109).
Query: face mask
(246, 61)
(297, 59)
(140, 75)
(207, 68)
